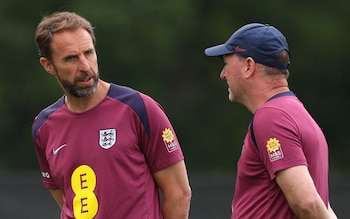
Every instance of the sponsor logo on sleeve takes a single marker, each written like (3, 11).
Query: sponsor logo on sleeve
(274, 149)
(169, 140)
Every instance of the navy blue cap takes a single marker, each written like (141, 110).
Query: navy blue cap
(262, 42)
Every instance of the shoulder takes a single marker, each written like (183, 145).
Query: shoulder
(143, 105)
(120, 92)
(127, 95)
(42, 117)
(137, 100)
(277, 116)
(288, 108)
(279, 106)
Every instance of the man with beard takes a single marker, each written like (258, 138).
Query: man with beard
(104, 150)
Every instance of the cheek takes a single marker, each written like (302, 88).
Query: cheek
(233, 80)
(94, 67)
(93, 64)
(229, 76)
(66, 73)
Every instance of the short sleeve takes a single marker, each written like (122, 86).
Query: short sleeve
(161, 147)
(278, 140)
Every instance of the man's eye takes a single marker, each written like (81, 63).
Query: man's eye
(89, 52)
(70, 58)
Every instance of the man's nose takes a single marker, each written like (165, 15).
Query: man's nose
(222, 74)
(84, 64)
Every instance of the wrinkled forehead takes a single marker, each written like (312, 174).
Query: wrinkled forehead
(71, 41)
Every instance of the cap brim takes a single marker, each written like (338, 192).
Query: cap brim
(218, 50)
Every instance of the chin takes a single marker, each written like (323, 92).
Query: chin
(231, 97)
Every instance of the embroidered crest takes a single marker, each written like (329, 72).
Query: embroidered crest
(169, 140)
(274, 149)
(108, 137)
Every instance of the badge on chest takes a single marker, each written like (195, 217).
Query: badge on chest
(108, 138)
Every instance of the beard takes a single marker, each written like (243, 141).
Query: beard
(73, 89)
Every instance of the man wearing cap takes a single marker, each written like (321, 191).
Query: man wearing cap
(283, 167)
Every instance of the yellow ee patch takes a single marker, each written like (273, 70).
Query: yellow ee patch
(169, 140)
(274, 149)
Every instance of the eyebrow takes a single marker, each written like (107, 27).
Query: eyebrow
(71, 55)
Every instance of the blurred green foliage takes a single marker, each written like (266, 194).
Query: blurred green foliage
(157, 47)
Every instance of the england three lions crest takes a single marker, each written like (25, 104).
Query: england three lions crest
(108, 137)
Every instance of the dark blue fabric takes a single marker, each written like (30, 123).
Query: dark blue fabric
(44, 114)
(133, 99)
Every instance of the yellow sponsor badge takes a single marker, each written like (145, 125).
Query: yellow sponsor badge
(274, 149)
(169, 140)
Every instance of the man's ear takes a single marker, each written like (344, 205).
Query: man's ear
(250, 66)
(47, 65)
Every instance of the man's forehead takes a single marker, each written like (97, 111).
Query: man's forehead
(71, 40)
(230, 56)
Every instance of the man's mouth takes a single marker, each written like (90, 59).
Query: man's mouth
(88, 81)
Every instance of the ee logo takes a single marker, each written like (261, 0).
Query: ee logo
(85, 204)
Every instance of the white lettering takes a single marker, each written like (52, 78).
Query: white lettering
(45, 174)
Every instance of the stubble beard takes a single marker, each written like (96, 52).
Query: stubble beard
(80, 92)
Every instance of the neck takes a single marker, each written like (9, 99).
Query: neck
(260, 98)
(261, 86)
(79, 105)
